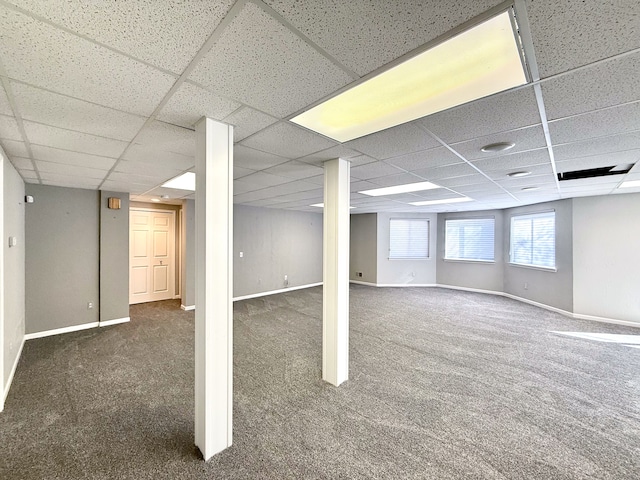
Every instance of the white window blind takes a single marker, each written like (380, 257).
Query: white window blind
(470, 239)
(533, 240)
(408, 238)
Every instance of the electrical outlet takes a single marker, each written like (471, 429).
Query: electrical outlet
(241, 254)
(89, 305)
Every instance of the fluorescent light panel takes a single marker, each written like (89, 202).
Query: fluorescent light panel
(442, 201)
(630, 184)
(321, 205)
(478, 62)
(406, 188)
(186, 181)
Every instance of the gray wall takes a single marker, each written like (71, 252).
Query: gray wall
(479, 275)
(275, 243)
(14, 274)
(606, 257)
(114, 258)
(188, 253)
(401, 272)
(363, 250)
(550, 288)
(62, 257)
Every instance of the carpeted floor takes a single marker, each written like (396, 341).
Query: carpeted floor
(443, 385)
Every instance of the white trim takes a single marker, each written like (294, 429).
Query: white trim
(593, 318)
(58, 331)
(358, 282)
(187, 308)
(273, 292)
(11, 374)
(538, 304)
(467, 289)
(115, 321)
(406, 285)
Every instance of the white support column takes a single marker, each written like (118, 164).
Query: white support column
(214, 287)
(335, 301)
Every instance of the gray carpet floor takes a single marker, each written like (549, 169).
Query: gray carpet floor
(443, 385)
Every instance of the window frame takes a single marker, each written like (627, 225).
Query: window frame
(533, 215)
(428, 238)
(470, 260)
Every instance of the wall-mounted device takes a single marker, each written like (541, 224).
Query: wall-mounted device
(28, 199)
(114, 203)
(13, 241)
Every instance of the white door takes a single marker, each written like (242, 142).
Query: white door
(151, 255)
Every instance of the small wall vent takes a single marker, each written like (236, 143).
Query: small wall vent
(595, 172)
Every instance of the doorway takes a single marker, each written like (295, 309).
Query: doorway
(152, 267)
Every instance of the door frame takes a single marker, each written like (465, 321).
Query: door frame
(177, 246)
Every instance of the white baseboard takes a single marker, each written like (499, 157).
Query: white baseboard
(359, 282)
(188, 308)
(369, 284)
(7, 386)
(273, 292)
(58, 331)
(115, 321)
(593, 318)
(467, 289)
(538, 304)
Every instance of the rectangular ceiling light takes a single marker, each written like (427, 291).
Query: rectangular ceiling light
(473, 64)
(409, 187)
(321, 205)
(186, 181)
(630, 184)
(442, 201)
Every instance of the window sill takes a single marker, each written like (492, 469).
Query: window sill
(404, 259)
(464, 260)
(534, 267)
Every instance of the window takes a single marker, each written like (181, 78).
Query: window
(408, 238)
(533, 240)
(470, 239)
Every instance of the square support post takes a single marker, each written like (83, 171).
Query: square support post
(335, 299)
(214, 287)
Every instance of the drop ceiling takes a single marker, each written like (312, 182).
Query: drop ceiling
(104, 95)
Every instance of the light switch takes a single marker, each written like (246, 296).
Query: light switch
(13, 241)
(241, 254)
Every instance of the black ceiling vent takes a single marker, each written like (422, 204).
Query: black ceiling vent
(595, 172)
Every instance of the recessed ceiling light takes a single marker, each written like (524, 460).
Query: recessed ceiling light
(442, 201)
(478, 62)
(630, 184)
(186, 181)
(155, 199)
(406, 188)
(164, 196)
(529, 189)
(498, 147)
(321, 205)
(522, 173)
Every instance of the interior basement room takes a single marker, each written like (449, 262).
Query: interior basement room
(295, 239)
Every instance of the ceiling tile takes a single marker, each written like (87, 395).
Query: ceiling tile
(338, 151)
(603, 85)
(29, 176)
(373, 170)
(246, 157)
(366, 35)
(247, 121)
(128, 187)
(529, 138)
(436, 157)
(259, 180)
(239, 172)
(171, 138)
(14, 148)
(70, 170)
(287, 140)
(454, 182)
(532, 180)
(56, 155)
(603, 145)
(561, 30)
(254, 46)
(69, 181)
(399, 179)
(5, 107)
(22, 163)
(154, 155)
(394, 142)
(502, 112)
(37, 53)
(69, 140)
(190, 103)
(167, 36)
(597, 161)
(9, 128)
(515, 161)
(295, 169)
(502, 173)
(447, 171)
(149, 178)
(64, 112)
(615, 120)
(140, 168)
